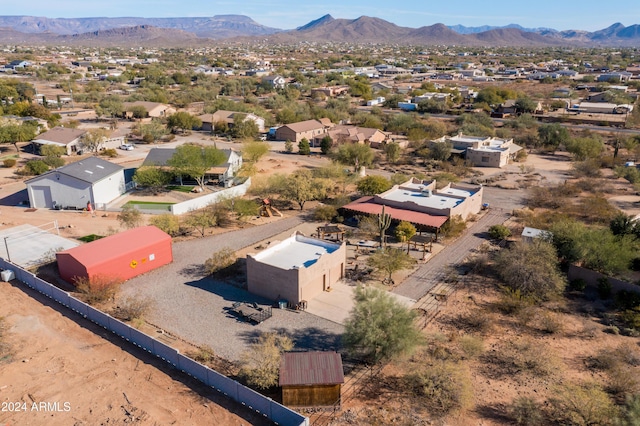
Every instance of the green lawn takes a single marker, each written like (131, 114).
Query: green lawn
(90, 237)
(179, 188)
(150, 205)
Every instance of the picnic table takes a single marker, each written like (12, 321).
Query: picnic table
(251, 312)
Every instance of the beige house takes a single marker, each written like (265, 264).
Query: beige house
(295, 132)
(331, 91)
(354, 134)
(69, 139)
(154, 109)
(296, 269)
(209, 120)
(481, 151)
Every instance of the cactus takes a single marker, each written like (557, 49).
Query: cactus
(384, 222)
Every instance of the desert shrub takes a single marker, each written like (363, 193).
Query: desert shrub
(9, 162)
(582, 405)
(578, 284)
(604, 288)
(167, 222)
(499, 232)
(220, 260)
(325, 213)
(5, 349)
(472, 346)
(526, 411)
(36, 167)
(622, 380)
(98, 288)
(110, 152)
(550, 323)
(443, 387)
(53, 161)
(525, 357)
(261, 362)
(587, 168)
(631, 317)
(630, 412)
(204, 354)
(454, 226)
(513, 301)
(131, 308)
(478, 321)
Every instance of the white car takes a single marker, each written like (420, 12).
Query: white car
(126, 147)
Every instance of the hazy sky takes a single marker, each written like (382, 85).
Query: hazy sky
(287, 14)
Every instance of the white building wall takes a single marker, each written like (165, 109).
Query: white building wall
(64, 191)
(108, 189)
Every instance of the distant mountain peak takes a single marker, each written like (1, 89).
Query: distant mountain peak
(317, 23)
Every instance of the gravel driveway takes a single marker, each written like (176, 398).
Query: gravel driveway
(195, 307)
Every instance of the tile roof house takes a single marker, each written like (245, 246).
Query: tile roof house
(311, 379)
(354, 134)
(154, 109)
(91, 180)
(61, 136)
(295, 132)
(209, 120)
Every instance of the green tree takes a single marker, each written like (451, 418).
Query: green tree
(183, 121)
(373, 184)
(195, 161)
(440, 151)
(260, 364)
(532, 269)
(52, 150)
(201, 220)
(300, 187)
(525, 105)
(390, 260)
(93, 139)
(585, 148)
(404, 232)
(151, 177)
(354, 154)
(392, 151)
(138, 111)
(130, 217)
(553, 135)
(379, 328)
(326, 144)
(623, 224)
(244, 128)
(153, 131)
(303, 147)
(253, 151)
(110, 106)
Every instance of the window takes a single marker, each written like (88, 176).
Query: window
(485, 159)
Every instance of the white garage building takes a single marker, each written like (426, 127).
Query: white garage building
(92, 180)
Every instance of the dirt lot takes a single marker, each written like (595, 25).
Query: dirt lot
(89, 377)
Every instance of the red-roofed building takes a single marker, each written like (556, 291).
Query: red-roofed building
(311, 379)
(124, 255)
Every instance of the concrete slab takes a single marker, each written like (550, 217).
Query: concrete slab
(29, 245)
(336, 305)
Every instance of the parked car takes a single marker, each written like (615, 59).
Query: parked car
(126, 147)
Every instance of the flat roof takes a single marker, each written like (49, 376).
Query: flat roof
(436, 201)
(296, 251)
(32, 245)
(456, 191)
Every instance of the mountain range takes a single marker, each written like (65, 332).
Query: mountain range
(173, 32)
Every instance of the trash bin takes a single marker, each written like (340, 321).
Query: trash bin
(7, 275)
(282, 304)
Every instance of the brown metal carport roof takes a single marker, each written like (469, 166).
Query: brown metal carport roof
(311, 368)
(368, 206)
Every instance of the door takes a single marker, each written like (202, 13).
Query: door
(41, 197)
(324, 282)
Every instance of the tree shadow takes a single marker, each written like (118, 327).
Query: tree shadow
(306, 339)
(496, 413)
(227, 291)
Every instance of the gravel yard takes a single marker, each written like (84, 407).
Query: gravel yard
(196, 308)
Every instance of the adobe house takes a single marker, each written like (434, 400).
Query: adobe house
(311, 379)
(296, 269)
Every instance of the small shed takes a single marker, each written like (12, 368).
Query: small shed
(531, 234)
(311, 379)
(124, 255)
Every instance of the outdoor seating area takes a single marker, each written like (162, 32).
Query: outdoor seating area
(252, 312)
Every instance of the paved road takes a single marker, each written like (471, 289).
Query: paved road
(427, 276)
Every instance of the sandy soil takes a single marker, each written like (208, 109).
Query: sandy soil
(89, 377)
